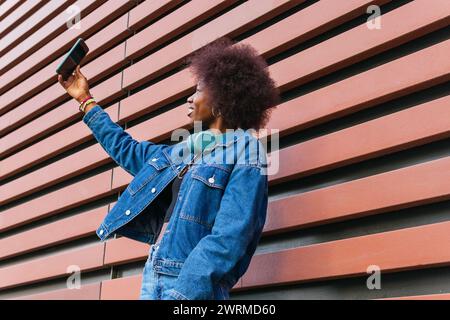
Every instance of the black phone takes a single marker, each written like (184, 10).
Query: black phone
(72, 59)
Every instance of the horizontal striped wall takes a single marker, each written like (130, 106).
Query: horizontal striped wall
(364, 126)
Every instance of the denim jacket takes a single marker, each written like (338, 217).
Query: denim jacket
(219, 215)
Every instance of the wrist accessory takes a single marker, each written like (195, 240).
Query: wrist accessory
(88, 97)
(85, 103)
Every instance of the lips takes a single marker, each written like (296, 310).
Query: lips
(190, 109)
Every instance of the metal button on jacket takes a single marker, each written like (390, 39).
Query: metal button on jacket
(127, 212)
(153, 190)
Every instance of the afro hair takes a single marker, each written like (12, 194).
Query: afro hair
(238, 80)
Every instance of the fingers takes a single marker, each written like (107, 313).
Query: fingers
(78, 72)
(61, 81)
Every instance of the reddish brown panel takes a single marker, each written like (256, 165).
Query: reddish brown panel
(113, 58)
(135, 75)
(54, 202)
(387, 140)
(391, 133)
(30, 109)
(427, 182)
(92, 23)
(31, 83)
(142, 96)
(127, 288)
(12, 98)
(395, 79)
(428, 82)
(328, 56)
(148, 11)
(46, 33)
(85, 292)
(110, 61)
(48, 148)
(393, 251)
(58, 265)
(107, 38)
(425, 22)
(51, 234)
(396, 189)
(8, 7)
(33, 23)
(242, 18)
(121, 179)
(176, 22)
(166, 122)
(89, 159)
(121, 288)
(418, 186)
(125, 250)
(152, 97)
(104, 92)
(19, 15)
(285, 157)
(39, 82)
(442, 296)
(409, 82)
(310, 22)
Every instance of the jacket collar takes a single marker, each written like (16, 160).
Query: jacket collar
(229, 137)
(179, 152)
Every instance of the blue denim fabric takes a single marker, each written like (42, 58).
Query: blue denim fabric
(218, 218)
(158, 286)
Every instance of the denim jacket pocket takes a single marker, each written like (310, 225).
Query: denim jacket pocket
(211, 175)
(208, 183)
(151, 169)
(168, 267)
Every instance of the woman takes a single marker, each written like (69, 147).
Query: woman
(202, 212)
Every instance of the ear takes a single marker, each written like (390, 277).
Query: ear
(216, 115)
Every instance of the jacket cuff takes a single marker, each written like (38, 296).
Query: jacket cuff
(91, 113)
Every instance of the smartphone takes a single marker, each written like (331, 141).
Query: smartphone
(72, 59)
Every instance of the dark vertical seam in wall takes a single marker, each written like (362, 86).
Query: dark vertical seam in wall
(112, 276)
(100, 290)
(104, 253)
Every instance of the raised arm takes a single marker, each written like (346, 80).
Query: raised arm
(120, 146)
(128, 153)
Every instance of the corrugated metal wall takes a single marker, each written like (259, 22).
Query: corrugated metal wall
(364, 126)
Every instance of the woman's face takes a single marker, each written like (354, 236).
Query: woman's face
(199, 107)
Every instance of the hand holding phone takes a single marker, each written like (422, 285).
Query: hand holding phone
(75, 83)
(72, 59)
(76, 86)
